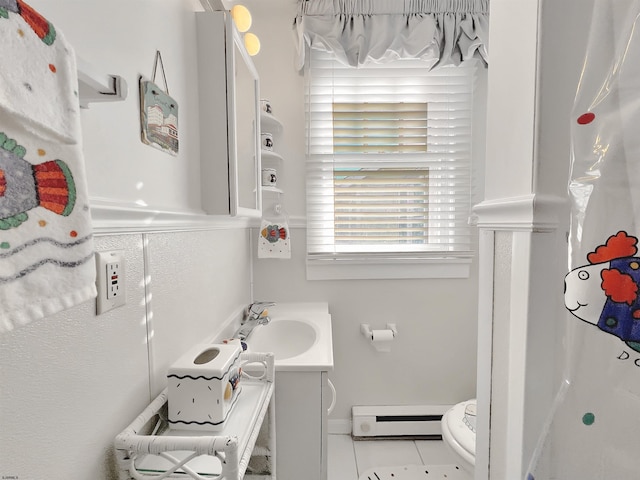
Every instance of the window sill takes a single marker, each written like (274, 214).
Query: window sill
(372, 268)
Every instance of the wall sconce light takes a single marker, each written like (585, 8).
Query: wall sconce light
(251, 43)
(242, 17)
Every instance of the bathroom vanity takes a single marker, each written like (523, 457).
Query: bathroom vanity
(300, 337)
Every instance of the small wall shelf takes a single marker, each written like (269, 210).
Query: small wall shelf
(272, 189)
(268, 155)
(95, 86)
(269, 123)
(149, 449)
(271, 159)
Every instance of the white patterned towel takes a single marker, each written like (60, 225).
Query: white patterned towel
(46, 246)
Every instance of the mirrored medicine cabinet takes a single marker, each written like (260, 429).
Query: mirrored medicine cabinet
(229, 92)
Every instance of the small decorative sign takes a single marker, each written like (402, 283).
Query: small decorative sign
(158, 114)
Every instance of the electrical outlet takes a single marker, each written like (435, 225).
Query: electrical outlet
(110, 281)
(113, 280)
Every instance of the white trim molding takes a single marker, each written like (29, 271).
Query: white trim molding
(531, 213)
(297, 221)
(486, 253)
(339, 426)
(112, 217)
(372, 268)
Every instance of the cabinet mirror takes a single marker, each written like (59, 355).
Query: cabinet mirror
(229, 92)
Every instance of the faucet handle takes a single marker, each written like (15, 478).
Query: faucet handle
(265, 304)
(260, 305)
(256, 309)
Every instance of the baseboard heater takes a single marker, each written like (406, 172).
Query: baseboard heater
(397, 421)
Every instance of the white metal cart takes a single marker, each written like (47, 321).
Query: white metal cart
(148, 450)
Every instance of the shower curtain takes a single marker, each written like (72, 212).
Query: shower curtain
(593, 432)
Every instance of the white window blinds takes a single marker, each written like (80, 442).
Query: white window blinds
(389, 159)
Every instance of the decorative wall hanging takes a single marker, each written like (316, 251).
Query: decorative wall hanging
(158, 113)
(274, 240)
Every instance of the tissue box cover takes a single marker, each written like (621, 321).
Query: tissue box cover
(203, 387)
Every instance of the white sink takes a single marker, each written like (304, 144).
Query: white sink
(285, 337)
(299, 335)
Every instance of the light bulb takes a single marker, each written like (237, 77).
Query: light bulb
(252, 43)
(242, 17)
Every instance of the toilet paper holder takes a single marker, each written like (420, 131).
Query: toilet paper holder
(365, 328)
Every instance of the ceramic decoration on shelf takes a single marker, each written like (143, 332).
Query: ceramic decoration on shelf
(267, 141)
(269, 123)
(266, 107)
(269, 177)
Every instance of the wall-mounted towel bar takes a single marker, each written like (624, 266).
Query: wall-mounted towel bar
(94, 86)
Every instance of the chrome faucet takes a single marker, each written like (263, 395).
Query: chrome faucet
(255, 312)
(254, 315)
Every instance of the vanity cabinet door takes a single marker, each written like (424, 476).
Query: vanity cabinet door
(327, 401)
(299, 426)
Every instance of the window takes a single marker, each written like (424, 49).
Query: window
(388, 163)
(381, 209)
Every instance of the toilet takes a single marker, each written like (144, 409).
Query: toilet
(459, 433)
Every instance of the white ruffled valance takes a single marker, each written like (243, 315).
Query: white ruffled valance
(440, 32)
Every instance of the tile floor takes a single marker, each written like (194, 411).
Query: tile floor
(349, 458)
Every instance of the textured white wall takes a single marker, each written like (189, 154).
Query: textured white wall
(198, 280)
(70, 381)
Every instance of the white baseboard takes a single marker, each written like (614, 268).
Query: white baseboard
(340, 426)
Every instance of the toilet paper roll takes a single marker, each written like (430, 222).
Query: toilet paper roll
(381, 340)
